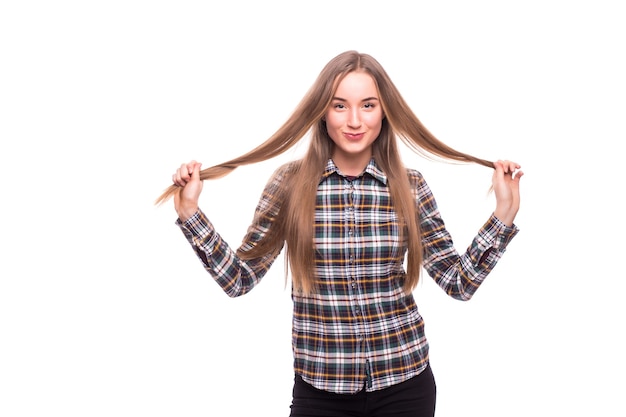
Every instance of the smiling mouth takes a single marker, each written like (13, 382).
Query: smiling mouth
(353, 136)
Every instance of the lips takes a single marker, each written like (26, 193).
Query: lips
(353, 136)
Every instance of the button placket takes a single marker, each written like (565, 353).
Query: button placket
(350, 218)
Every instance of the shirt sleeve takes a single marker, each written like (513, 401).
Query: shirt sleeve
(234, 275)
(458, 275)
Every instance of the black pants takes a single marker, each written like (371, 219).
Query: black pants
(412, 398)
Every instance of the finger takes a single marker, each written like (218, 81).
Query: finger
(195, 174)
(510, 167)
(185, 171)
(176, 178)
(181, 176)
(499, 169)
(190, 167)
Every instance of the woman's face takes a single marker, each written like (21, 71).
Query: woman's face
(354, 120)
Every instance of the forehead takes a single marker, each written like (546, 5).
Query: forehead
(357, 85)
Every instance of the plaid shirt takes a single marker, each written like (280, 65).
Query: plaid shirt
(359, 329)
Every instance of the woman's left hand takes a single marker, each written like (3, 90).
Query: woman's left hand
(505, 181)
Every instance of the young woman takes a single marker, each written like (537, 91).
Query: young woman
(348, 214)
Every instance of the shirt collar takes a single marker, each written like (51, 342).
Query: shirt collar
(372, 169)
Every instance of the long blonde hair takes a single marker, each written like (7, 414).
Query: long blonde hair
(294, 225)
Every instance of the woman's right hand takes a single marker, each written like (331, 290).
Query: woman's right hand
(187, 177)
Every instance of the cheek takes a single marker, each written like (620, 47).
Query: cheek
(333, 123)
(375, 122)
(332, 120)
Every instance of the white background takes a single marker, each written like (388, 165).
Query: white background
(106, 311)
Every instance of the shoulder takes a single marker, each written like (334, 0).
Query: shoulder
(286, 170)
(281, 176)
(419, 186)
(415, 177)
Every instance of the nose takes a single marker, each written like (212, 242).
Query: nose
(354, 121)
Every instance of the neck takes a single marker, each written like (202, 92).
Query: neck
(352, 165)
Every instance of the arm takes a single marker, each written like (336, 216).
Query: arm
(234, 275)
(459, 275)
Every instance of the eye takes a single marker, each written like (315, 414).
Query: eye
(369, 105)
(339, 106)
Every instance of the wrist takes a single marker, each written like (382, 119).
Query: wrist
(505, 216)
(184, 213)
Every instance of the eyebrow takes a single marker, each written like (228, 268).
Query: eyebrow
(365, 99)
